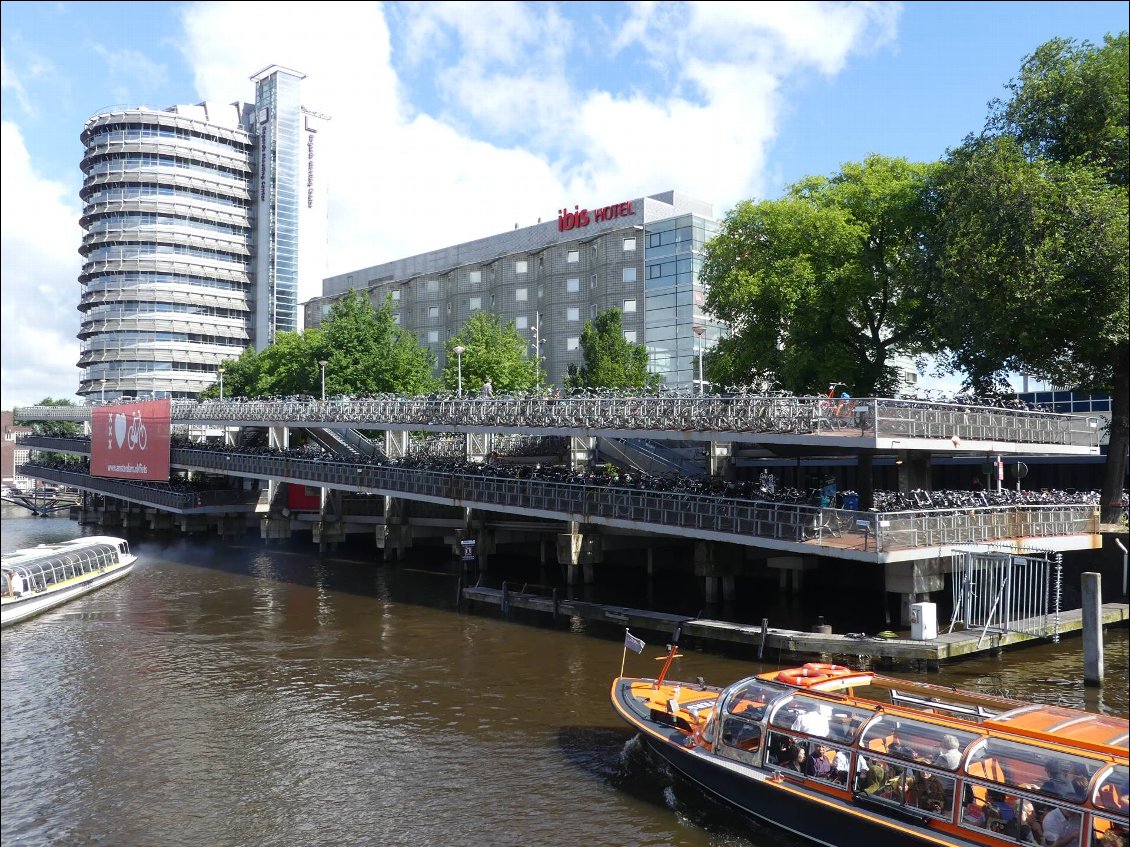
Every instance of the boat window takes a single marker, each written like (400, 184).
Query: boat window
(1107, 832)
(1057, 774)
(823, 718)
(1112, 790)
(918, 741)
(740, 739)
(750, 697)
(929, 792)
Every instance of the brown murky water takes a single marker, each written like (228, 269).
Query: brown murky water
(255, 695)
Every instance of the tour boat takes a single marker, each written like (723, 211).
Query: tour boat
(43, 577)
(844, 757)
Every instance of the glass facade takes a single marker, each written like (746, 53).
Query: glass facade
(166, 277)
(676, 330)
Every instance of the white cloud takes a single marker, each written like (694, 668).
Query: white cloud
(680, 96)
(39, 266)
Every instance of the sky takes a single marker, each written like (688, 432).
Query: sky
(454, 121)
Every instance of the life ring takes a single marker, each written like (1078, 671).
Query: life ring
(827, 669)
(813, 673)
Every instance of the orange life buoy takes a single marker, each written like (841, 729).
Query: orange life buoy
(802, 676)
(825, 668)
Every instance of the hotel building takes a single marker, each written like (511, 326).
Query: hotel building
(197, 221)
(641, 256)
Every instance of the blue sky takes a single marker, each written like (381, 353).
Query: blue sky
(453, 121)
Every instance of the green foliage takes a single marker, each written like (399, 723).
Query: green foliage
(826, 284)
(610, 360)
(494, 349)
(364, 350)
(54, 429)
(1031, 237)
(1070, 105)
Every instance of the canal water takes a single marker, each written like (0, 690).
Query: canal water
(244, 694)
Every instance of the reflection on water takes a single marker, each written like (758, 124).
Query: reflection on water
(252, 695)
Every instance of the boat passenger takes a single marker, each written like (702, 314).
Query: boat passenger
(16, 583)
(814, 721)
(817, 764)
(1057, 782)
(875, 779)
(950, 755)
(1061, 827)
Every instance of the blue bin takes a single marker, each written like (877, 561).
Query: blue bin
(851, 502)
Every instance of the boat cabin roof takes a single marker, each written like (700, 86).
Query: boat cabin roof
(95, 550)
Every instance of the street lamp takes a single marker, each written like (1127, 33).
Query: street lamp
(103, 382)
(699, 329)
(322, 363)
(459, 349)
(536, 333)
(220, 371)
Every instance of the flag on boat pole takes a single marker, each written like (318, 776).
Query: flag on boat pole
(632, 643)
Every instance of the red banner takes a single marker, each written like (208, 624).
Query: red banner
(131, 440)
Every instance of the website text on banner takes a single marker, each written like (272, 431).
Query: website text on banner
(131, 440)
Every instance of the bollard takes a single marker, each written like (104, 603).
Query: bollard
(1092, 629)
(764, 635)
(1122, 547)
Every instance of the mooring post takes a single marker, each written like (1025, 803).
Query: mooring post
(764, 635)
(1092, 629)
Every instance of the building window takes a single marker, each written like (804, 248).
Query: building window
(396, 295)
(572, 343)
(432, 286)
(433, 311)
(520, 295)
(592, 282)
(629, 306)
(629, 245)
(475, 277)
(572, 314)
(433, 336)
(573, 256)
(573, 285)
(520, 267)
(629, 274)
(396, 318)
(521, 322)
(476, 303)
(592, 310)
(630, 336)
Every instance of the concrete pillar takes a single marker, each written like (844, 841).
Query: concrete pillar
(791, 570)
(720, 459)
(717, 563)
(913, 581)
(578, 549)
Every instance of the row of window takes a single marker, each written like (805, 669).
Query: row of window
(572, 342)
(129, 131)
(521, 295)
(112, 221)
(121, 192)
(106, 253)
(125, 280)
(114, 162)
(475, 304)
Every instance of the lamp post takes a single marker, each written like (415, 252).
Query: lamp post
(103, 383)
(322, 364)
(699, 329)
(220, 371)
(536, 333)
(459, 348)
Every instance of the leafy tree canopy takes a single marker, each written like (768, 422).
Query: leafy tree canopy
(364, 350)
(826, 284)
(492, 348)
(608, 359)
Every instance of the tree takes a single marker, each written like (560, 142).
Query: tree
(1032, 234)
(492, 348)
(609, 359)
(827, 284)
(364, 350)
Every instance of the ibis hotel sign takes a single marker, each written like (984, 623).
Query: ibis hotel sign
(131, 440)
(579, 217)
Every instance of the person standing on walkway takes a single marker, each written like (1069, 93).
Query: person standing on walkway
(487, 390)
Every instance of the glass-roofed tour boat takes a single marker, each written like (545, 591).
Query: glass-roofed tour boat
(43, 577)
(844, 757)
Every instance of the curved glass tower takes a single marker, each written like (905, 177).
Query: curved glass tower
(191, 249)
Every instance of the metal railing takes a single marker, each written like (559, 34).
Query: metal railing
(703, 516)
(679, 416)
(1006, 592)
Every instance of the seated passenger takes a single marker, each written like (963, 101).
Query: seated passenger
(874, 780)
(1061, 827)
(1057, 782)
(817, 763)
(814, 721)
(950, 754)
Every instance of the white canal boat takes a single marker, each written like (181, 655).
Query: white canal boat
(43, 577)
